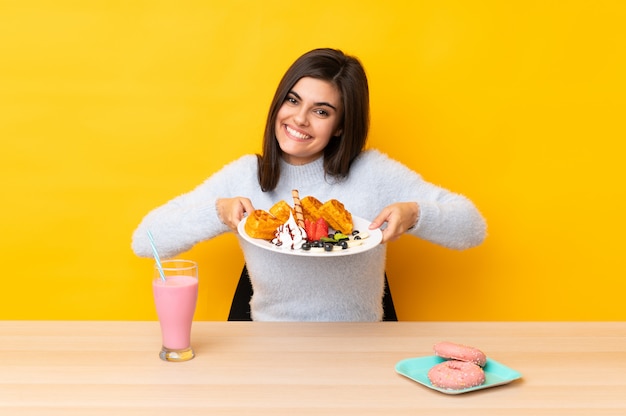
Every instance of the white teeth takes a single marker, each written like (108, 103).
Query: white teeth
(297, 134)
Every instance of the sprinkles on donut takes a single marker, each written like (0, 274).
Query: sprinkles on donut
(452, 351)
(462, 368)
(456, 375)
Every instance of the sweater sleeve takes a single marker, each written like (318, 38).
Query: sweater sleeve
(451, 221)
(192, 217)
(446, 218)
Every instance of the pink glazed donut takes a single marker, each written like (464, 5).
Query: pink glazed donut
(456, 375)
(450, 350)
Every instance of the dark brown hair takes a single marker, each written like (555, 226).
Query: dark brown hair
(347, 74)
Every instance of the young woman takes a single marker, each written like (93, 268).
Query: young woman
(314, 142)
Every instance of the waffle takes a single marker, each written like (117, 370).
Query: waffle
(261, 224)
(311, 208)
(337, 216)
(281, 210)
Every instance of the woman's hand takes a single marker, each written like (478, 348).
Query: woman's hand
(399, 217)
(231, 210)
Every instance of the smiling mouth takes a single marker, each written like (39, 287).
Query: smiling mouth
(297, 134)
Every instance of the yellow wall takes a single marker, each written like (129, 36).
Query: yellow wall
(108, 109)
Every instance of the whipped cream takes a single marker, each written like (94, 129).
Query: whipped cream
(289, 235)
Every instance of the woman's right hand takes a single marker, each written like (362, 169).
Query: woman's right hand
(231, 210)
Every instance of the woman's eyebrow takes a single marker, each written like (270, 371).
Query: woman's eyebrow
(322, 103)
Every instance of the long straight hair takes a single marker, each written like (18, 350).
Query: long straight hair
(347, 74)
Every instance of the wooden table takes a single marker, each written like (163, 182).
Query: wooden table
(243, 368)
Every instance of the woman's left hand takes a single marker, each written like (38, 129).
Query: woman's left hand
(399, 218)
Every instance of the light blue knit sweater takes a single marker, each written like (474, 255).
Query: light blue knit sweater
(298, 288)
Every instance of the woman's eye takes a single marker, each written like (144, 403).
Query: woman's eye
(321, 112)
(291, 100)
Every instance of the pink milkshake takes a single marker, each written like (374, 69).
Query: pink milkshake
(175, 300)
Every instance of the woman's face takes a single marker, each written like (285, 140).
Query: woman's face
(308, 119)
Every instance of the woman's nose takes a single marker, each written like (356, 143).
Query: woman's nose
(301, 117)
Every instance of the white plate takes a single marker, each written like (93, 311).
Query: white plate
(374, 239)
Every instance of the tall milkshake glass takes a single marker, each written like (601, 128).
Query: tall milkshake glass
(175, 300)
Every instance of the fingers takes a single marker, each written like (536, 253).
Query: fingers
(240, 208)
(380, 219)
(391, 232)
(398, 217)
(247, 206)
(390, 217)
(232, 210)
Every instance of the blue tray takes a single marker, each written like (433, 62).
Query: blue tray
(416, 369)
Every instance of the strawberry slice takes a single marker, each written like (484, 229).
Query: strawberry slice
(321, 228)
(310, 228)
